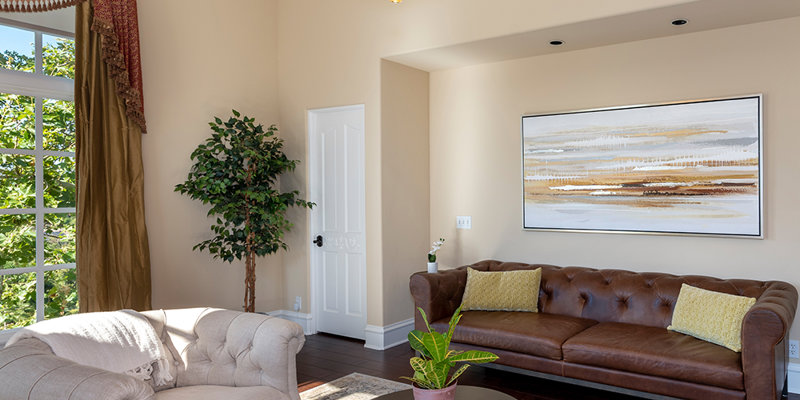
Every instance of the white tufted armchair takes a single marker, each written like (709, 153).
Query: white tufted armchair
(214, 354)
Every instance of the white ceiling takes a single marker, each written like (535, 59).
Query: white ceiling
(701, 14)
(58, 21)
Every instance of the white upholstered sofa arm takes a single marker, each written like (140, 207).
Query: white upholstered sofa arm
(29, 370)
(274, 349)
(232, 348)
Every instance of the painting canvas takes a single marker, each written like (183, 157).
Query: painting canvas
(679, 168)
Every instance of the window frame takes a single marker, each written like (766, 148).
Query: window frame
(39, 86)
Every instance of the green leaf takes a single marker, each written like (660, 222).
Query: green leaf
(420, 382)
(415, 340)
(452, 325)
(428, 371)
(434, 342)
(457, 374)
(474, 356)
(441, 370)
(425, 318)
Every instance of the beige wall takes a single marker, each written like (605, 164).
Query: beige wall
(276, 59)
(329, 54)
(475, 148)
(200, 59)
(405, 178)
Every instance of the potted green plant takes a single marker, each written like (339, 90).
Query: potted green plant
(236, 171)
(433, 266)
(432, 379)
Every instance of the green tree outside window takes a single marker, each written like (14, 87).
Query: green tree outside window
(18, 191)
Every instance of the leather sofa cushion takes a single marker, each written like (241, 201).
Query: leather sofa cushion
(536, 334)
(210, 392)
(657, 352)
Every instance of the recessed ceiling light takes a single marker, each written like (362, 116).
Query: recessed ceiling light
(556, 42)
(679, 22)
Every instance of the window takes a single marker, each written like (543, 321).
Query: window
(37, 176)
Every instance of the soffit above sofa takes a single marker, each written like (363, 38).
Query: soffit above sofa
(649, 24)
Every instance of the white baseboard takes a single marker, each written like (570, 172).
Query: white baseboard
(376, 337)
(794, 377)
(384, 337)
(303, 319)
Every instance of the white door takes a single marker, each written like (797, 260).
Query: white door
(338, 258)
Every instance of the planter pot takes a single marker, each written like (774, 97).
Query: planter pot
(448, 393)
(433, 267)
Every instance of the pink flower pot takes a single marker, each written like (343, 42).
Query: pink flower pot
(448, 393)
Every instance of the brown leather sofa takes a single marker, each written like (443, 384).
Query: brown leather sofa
(609, 327)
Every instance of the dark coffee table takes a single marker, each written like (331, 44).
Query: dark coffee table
(462, 393)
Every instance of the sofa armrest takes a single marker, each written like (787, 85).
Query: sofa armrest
(275, 347)
(233, 348)
(765, 332)
(439, 294)
(29, 370)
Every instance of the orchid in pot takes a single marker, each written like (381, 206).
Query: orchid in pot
(433, 266)
(432, 379)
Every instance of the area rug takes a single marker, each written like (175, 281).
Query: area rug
(354, 387)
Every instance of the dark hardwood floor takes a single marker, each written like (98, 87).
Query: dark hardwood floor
(326, 357)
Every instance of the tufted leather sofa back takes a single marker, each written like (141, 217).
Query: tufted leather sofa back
(608, 295)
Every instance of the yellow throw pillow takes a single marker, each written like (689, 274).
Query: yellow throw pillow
(502, 291)
(712, 316)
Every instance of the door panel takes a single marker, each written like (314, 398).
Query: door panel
(329, 274)
(354, 268)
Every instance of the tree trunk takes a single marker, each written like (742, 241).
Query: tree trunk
(250, 280)
(250, 261)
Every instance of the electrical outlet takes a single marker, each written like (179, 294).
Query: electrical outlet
(298, 303)
(794, 349)
(463, 222)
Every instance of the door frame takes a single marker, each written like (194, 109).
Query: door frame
(314, 195)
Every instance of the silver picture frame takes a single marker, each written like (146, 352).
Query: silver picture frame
(676, 168)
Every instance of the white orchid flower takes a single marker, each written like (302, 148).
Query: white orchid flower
(435, 248)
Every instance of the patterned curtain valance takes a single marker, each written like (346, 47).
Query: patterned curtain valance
(35, 5)
(117, 22)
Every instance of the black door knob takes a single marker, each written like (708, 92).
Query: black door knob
(318, 241)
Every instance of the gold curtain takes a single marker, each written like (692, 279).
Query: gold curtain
(113, 253)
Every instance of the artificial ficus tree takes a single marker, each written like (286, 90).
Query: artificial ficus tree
(236, 171)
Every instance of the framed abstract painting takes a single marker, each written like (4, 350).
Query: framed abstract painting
(691, 167)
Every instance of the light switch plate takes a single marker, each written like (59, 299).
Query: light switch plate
(463, 222)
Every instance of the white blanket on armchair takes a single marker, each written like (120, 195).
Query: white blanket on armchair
(118, 341)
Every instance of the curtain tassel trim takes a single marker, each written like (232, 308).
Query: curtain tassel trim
(36, 5)
(118, 70)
